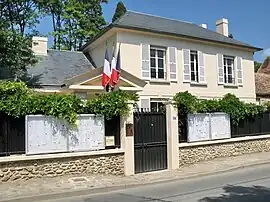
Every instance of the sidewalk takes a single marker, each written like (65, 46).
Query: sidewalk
(86, 184)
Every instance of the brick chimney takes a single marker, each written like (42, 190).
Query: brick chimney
(222, 27)
(39, 45)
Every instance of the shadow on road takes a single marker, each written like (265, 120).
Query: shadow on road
(241, 194)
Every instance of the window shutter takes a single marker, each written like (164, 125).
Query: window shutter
(186, 65)
(201, 67)
(172, 63)
(239, 71)
(145, 104)
(145, 61)
(220, 69)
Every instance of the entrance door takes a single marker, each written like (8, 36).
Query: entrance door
(150, 136)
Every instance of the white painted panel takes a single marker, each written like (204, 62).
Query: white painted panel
(90, 134)
(45, 135)
(198, 127)
(50, 135)
(220, 126)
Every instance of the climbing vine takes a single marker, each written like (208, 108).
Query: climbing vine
(230, 104)
(16, 99)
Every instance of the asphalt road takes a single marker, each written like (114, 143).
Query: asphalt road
(247, 184)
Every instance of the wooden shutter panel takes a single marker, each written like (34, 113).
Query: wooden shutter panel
(186, 65)
(201, 67)
(172, 63)
(220, 69)
(239, 71)
(145, 61)
(145, 104)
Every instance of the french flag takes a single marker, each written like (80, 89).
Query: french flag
(116, 69)
(106, 75)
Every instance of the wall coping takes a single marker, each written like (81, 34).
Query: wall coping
(211, 142)
(15, 158)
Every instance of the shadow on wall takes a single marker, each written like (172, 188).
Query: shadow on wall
(241, 194)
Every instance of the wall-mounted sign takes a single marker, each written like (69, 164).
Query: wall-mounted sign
(109, 141)
(129, 129)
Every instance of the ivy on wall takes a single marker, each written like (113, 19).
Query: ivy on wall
(230, 104)
(16, 99)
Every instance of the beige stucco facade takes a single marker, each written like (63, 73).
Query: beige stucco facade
(130, 44)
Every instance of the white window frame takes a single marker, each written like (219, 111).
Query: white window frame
(196, 62)
(226, 67)
(156, 48)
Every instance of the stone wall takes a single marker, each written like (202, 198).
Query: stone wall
(100, 164)
(196, 153)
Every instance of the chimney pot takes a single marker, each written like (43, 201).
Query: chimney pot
(222, 27)
(39, 45)
(203, 26)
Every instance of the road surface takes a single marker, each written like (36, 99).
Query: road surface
(247, 184)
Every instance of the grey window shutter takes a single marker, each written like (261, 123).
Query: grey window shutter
(145, 61)
(145, 104)
(172, 63)
(220, 69)
(201, 67)
(186, 65)
(239, 71)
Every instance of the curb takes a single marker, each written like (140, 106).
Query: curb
(85, 192)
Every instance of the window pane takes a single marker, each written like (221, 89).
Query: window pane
(152, 53)
(229, 70)
(192, 66)
(192, 58)
(161, 63)
(160, 53)
(153, 106)
(153, 73)
(193, 76)
(153, 62)
(230, 79)
(161, 106)
(161, 74)
(229, 61)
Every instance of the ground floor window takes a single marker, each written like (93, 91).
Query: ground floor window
(157, 106)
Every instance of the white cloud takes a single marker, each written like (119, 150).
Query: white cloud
(266, 52)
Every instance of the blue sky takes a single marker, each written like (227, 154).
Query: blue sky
(248, 19)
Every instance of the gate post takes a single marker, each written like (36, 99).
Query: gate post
(127, 142)
(172, 137)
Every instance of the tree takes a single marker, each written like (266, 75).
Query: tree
(257, 65)
(74, 21)
(119, 11)
(55, 9)
(20, 15)
(15, 54)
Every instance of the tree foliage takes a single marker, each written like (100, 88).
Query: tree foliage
(18, 100)
(74, 21)
(16, 55)
(119, 11)
(20, 15)
(257, 66)
(230, 104)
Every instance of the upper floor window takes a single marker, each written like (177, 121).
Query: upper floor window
(157, 62)
(228, 63)
(194, 66)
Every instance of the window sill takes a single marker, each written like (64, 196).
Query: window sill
(230, 86)
(159, 81)
(198, 84)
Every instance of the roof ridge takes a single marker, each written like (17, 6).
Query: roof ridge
(167, 18)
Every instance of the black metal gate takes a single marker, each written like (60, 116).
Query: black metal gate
(150, 136)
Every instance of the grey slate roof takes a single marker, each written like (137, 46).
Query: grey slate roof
(150, 23)
(60, 65)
